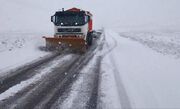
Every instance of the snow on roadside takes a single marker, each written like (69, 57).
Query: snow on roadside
(108, 94)
(41, 73)
(150, 79)
(108, 91)
(17, 49)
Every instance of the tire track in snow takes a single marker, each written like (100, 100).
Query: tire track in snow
(105, 53)
(124, 99)
(24, 72)
(87, 96)
(123, 96)
(12, 92)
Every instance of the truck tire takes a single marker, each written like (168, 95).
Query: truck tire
(89, 39)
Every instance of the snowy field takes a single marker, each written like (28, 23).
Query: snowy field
(165, 42)
(17, 49)
(21, 32)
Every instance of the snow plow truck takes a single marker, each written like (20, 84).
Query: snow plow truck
(72, 29)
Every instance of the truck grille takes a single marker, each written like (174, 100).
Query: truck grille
(69, 30)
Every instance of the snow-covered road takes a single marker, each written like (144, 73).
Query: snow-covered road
(132, 73)
(43, 84)
(135, 76)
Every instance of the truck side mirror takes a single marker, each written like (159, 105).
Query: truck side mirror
(52, 19)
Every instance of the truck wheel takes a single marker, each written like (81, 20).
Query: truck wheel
(89, 39)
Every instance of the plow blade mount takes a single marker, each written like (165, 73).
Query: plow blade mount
(63, 42)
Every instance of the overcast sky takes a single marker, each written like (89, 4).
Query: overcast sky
(131, 12)
(15, 14)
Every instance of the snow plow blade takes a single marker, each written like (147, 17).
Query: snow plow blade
(75, 43)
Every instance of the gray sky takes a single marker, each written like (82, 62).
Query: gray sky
(131, 12)
(15, 14)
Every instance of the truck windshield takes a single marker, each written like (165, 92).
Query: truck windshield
(70, 19)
